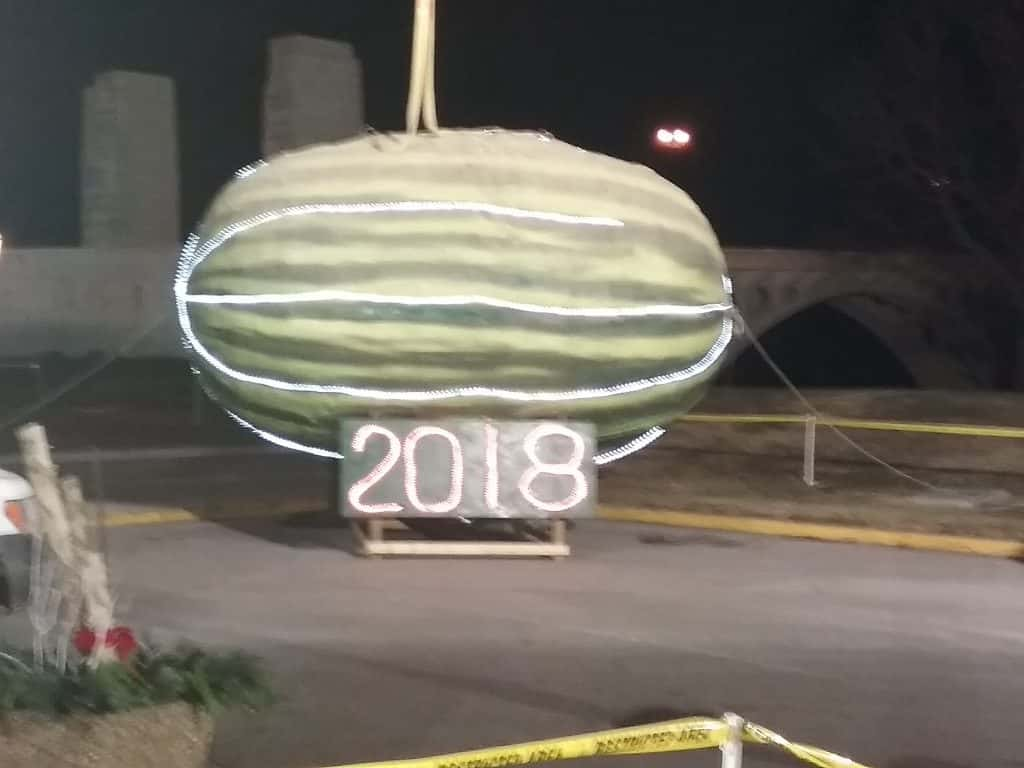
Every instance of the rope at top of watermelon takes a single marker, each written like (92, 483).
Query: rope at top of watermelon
(422, 103)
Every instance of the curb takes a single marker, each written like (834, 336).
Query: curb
(929, 542)
(132, 516)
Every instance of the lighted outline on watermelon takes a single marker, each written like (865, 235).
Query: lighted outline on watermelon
(464, 273)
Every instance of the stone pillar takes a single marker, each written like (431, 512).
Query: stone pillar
(129, 162)
(313, 95)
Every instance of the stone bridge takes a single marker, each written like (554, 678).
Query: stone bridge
(914, 309)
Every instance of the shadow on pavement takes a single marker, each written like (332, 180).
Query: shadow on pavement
(315, 529)
(915, 761)
(659, 714)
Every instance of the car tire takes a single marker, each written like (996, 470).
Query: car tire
(15, 565)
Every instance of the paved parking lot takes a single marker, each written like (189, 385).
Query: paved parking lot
(900, 659)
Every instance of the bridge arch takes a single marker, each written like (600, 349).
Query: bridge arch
(915, 316)
(822, 346)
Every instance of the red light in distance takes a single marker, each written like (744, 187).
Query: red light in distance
(672, 138)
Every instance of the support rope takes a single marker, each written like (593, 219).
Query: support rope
(422, 102)
(813, 411)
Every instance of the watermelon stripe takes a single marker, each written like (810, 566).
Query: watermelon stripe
(354, 338)
(473, 263)
(454, 159)
(545, 278)
(329, 367)
(268, 404)
(663, 217)
(652, 271)
(446, 343)
(343, 296)
(483, 287)
(714, 353)
(533, 184)
(391, 209)
(399, 207)
(417, 233)
(323, 364)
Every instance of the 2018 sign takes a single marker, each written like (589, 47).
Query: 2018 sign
(457, 468)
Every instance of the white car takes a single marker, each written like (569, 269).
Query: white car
(15, 541)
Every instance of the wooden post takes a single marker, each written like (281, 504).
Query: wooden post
(90, 568)
(42, 475)
(558, 532)
(52, 529)
(64, 526)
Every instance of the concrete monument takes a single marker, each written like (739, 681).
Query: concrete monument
(314, 93)
(129, 162)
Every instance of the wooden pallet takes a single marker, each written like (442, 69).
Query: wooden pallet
(372, 540)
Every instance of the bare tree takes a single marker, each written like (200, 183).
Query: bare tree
(928, 134)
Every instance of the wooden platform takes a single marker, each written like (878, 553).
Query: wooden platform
(373, 540)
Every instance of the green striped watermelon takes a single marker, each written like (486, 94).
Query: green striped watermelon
(467, 273)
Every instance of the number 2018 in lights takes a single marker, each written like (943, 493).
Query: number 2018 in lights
(468, 469)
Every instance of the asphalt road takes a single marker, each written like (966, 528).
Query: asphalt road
(899, 659)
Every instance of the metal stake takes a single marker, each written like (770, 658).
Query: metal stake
(732, 750)
(810, 429)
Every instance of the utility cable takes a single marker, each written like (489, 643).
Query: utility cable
(56, 394)
(755, 342)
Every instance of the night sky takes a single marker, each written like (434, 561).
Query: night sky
(603, 74)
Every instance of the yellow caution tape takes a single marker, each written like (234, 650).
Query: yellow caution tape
(691, 733)
(672, 736)
(758, 734)
(965, 430)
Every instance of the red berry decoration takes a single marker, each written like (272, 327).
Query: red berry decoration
(119, 640)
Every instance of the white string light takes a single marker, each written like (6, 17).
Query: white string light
(634, 445)
(338, 295)
(284, 442)
(248, 170)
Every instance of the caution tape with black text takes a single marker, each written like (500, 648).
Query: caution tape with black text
(692, 733)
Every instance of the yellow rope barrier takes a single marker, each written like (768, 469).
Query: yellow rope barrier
(963, 430)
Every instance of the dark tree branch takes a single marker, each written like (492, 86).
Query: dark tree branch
(931, 129)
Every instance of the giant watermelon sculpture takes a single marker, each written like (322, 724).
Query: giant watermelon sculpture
(459, 273)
